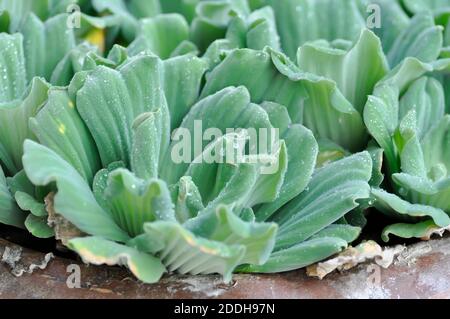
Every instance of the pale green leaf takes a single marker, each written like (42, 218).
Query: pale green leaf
(59, 127)
(356, 71)
(29, 204)
(333, 192)
(422, 39)
(302, 153)
(10, 214)
(416, 6)
(270, 76)
(187, 199)
(229, 108)
(14, 128)
(149, 144)
(74, 200)
(38, 227)
(38, 37)
(212, 19)
(420, 230)
(182, 83)
(19, 10)
(300, 21)
(98, 251)
(299, 256)
(13, 76)
(213, 243)
(426, 97)
(160, 35)
(346, 232)
(183, 7)
(133, 201)
(110, 100)
(392, 18)
(392, 204)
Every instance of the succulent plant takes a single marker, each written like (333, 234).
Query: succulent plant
(222, 136)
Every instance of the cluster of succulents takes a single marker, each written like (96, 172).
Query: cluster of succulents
(96, 97)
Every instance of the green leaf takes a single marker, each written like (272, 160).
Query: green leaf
(300, 21)
(220, 178)
(76, 60)
(38, 227)
(356, 71)
(242, 182)
(426, 97)
(411, 69)
(98, 251)
(419, 230)
(425, 178)
(394, 205)
(270, 76)
(74, 200)
(10, 214)
(143, 9)
(393, 18)
(21, 183)
(212, 19)
(299, 256)
(29, 204)
(213, 243)
(436, 149)
(161, 35)
(329, 152)
(416, 6)
(4, 21)
(183, 7)
(272, 169)
(101, 182)
(264, 79)
(185, 48)
(422, 39)
(133, 202)
(302, 153)
(411, 155)
(262, 30)
(377, 166)
(217, 51)
(38, 37)
(333, 192)
(110, 100)
(19, 9)
(13, 77)
(227, 109)
(149, 144)
(182, 83)
(14, 128)
(59, 127)
(118, 54)
(381, 113)
(187, 199)
(341, 119)
(255, 31)
(345, 232)
(278, 116)
(185, 253)
(224, 226)
(128, 25)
